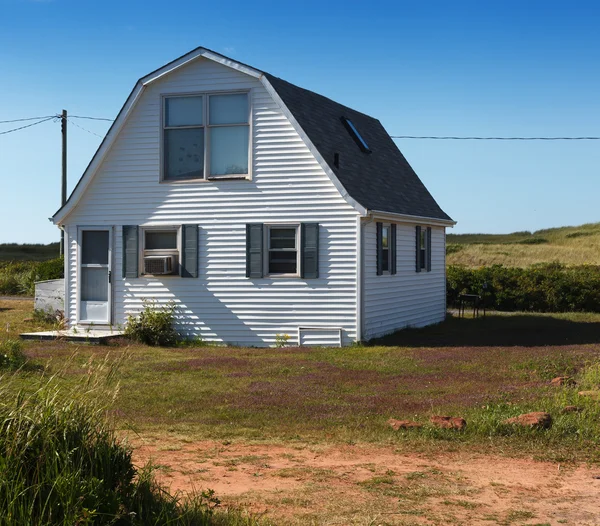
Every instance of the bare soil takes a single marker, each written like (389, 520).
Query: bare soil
(297, 484)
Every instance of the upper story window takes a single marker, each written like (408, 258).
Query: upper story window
(206, 136)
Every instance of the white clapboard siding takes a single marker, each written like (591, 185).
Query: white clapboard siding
(287, 184)
(407, 298)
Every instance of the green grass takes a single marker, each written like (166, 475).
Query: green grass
(576, 245)
(485, 370)
(61, 462)
(28, 252)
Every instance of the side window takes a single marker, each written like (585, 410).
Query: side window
(423, 249)
(282, 250)
(386, 248)
(282, 247)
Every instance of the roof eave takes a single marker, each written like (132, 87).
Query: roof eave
(405, 218)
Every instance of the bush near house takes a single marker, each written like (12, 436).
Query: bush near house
(548, 287)
(19, 277)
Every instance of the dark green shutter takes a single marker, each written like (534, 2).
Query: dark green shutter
(309, 243)
(254, 250)
(379, 248)
(188, 266)
(428, 249)
(130, 251)
(418, 248)
(393, 248)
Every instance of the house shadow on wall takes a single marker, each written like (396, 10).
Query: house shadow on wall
(497, 330)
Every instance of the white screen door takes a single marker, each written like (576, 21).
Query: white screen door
(94, 275)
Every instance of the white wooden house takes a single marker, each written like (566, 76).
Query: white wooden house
(258, 207)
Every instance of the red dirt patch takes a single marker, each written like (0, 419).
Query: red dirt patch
(356, 484)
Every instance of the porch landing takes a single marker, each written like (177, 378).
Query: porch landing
(81, 335)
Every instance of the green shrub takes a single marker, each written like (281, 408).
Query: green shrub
(548, 287)
(154, 326)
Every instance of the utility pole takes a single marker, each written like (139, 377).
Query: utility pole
(63, 129)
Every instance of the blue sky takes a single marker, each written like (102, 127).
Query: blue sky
(518, 68)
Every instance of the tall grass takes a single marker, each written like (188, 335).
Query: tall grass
(19, 277)
(61, 462)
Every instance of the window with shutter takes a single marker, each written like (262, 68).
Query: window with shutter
(386, 249)
(423, 249)
(282, 250)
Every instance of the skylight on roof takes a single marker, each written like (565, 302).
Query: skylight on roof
(356, 135)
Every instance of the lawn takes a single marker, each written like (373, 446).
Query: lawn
(300, 436)
(484, 370)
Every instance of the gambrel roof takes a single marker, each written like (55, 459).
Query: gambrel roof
(381, 180)
(378, 180)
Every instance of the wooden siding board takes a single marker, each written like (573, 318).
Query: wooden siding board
(408, 298)
(287, 184)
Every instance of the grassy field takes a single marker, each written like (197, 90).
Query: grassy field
(280, 417)
(578, 245)
(485, 370)
(28, 252)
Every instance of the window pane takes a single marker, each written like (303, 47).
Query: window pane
(423, 238)
(423, 261)
(282, 238)
(385, 263)
(385, 234)
(228, 109)
(161, 240)
(229, 150)
(282, 262)
(183, 111)
(95, 247)
(184, 153)
(94, 284)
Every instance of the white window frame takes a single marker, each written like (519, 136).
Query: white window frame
(267, 250)
(423, 249)
(206, 126)
(160, 252)
(389, 248)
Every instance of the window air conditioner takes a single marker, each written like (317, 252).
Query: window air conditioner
(158, 265)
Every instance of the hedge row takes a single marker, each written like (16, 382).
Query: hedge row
(541, 288)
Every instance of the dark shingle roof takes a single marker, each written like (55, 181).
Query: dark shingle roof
(381, 180)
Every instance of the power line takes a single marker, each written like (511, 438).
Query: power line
(90, 118)
(27, 125)
(82, 128)
(456, 138)
(27, 119)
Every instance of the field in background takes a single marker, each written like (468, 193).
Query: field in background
(28, 252)
(575, 245)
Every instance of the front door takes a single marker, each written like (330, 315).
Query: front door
(95, 275)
